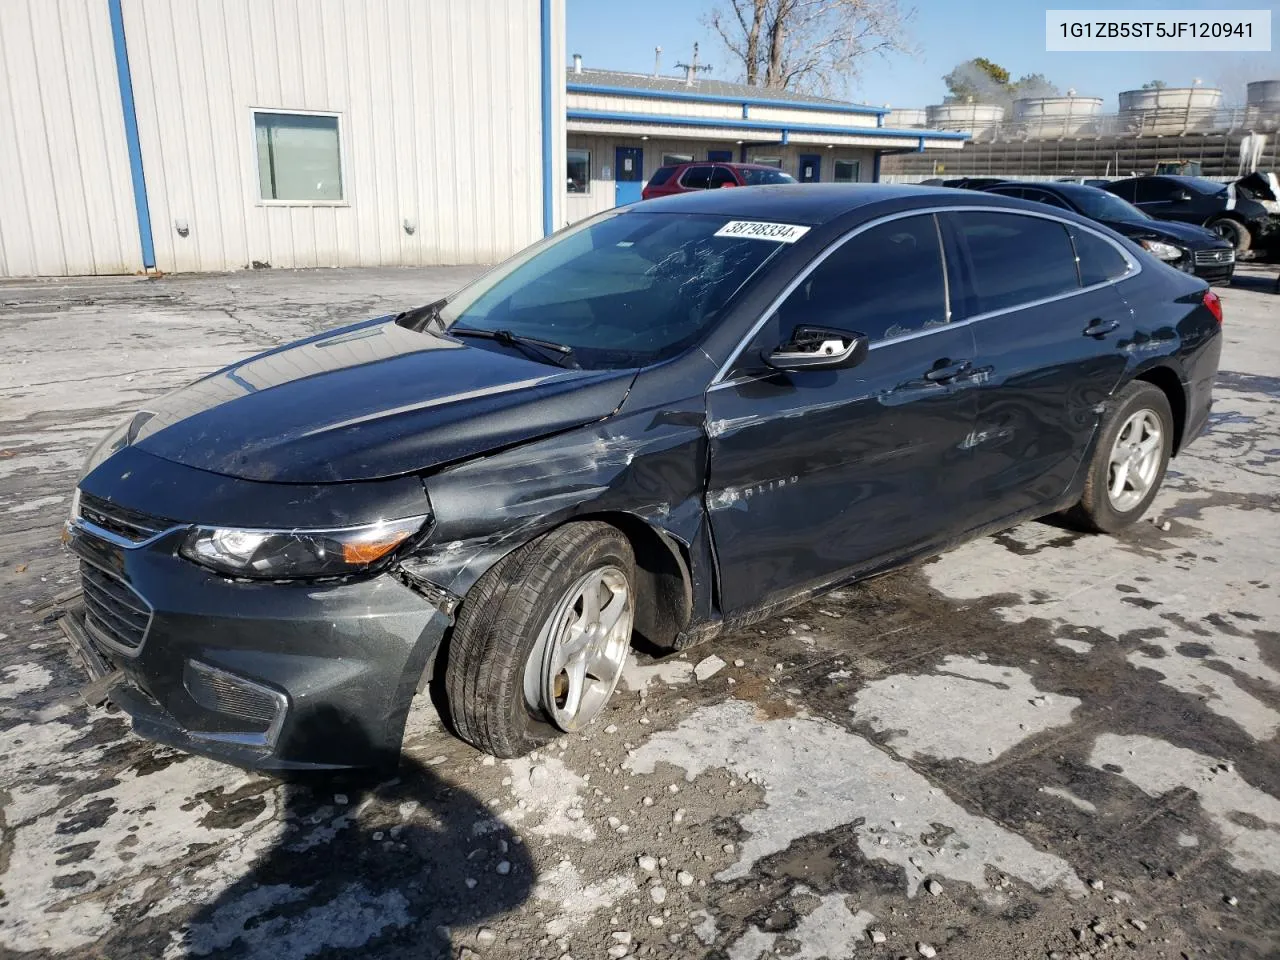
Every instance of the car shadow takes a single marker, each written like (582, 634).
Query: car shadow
(376, 865)
(1248, 281)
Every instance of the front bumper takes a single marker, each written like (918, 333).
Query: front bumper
(275, 676)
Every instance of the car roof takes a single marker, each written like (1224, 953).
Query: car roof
(812, 203)
(723, 163)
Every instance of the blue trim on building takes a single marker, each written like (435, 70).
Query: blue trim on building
(578, 87)
(131, 135)
(548, 127)
(731, 124)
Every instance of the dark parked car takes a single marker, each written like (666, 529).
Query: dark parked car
(688, 177)
(1192, 249)
(1238, 218)
(673, 418)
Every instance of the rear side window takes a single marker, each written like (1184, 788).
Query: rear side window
(722, 176)
(696, 178)
(661, 176)
(1099, 260)
(1153, 191)
(1015, 259)
(884, 282)
(757, 178)
(1040, 196)
(1123, 189)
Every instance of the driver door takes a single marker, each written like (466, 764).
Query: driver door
(816, 474)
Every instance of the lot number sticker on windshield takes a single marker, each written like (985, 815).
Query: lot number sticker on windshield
(759, 230)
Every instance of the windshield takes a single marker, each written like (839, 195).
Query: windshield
(1100, 205)
(756, 178)
(627, 290)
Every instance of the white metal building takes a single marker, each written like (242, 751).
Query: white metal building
(189, 135)
(623, 126)
(215, 135)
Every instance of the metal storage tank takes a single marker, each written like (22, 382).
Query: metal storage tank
(1264, 93)
(1057, 116)
(1170, 110)
(907, 117)
(972, 118)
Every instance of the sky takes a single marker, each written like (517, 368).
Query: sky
(944, 32)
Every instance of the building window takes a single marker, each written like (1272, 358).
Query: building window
(848, 171)
(299, 157)
(768, 161)
(671, 159)
(579, 171)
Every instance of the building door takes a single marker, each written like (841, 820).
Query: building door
(628, 174)
(810, 168)
(720, 156)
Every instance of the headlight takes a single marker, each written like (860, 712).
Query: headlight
(290, 554)
(1165, 251)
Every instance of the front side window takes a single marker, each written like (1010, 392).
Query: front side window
(299, 157)
(847, 171)
(1124, 189)
(1099, 260)
(696, 178)
(883, 283)
(756, 178)
(625, 290)
(1015, 259)
(578, 167)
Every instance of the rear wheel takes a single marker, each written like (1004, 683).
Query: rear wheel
(1129, 462)
(1233, 231)
(541, 640)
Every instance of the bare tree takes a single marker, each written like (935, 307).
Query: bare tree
(813, 46)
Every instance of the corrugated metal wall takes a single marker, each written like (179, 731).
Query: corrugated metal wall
(66, 204)
(440, 121)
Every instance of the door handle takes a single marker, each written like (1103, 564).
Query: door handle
(1099, 328)
(948, 371)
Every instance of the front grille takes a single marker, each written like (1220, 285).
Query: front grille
(115, 613)
(224, 692)
(1206, 258)
(123, 522)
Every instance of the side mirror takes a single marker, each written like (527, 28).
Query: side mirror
(818, 348)
(1181, 196)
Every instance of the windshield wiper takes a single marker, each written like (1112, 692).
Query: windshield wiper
(558, 353)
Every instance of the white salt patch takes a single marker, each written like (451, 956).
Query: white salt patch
(1156, 767)
(637, 678)
(968, 709)
(549, 791)
(23, 678)
(830, 931)
(822, 777)
(575, 899)
(1063, 794)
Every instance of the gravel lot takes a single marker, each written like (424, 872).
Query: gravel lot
(1041, 744)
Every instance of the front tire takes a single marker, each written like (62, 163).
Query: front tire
(1233, 231)
(1134, 445)
(541, 640)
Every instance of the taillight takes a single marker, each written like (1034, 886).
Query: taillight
(1214, 303)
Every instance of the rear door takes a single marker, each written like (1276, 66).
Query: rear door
(1050, 348)
(818, 473)
(697, 177)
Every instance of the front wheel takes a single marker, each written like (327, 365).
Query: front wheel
(1234, 232)
(541, 640)
(1128, 465)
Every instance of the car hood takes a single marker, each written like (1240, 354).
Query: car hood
(1188, 234)
(369, 401)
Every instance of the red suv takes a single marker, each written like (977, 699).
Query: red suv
(684, 177)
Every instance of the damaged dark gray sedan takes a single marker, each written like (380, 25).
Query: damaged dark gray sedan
(668, 420)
